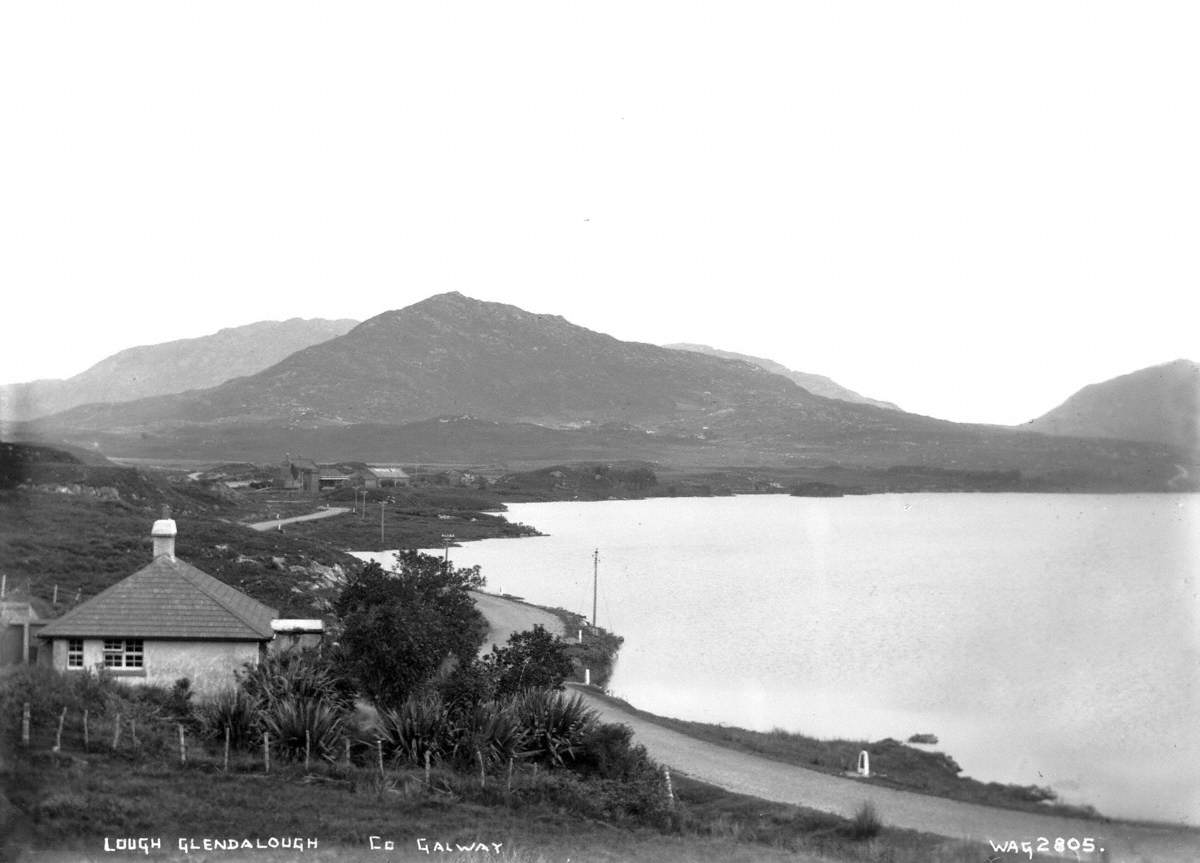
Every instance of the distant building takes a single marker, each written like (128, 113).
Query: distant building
(383, 476)
(166, 621)
(299, 474)
(21, 618)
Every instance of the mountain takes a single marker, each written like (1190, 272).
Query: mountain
(816, 384)
(1160, 404)
(170, 367)
(465, 380)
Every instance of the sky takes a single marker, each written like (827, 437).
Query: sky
(971, 210)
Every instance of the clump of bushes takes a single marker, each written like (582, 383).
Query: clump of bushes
(866, 823)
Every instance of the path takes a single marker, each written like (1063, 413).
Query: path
(785, 783)
(312, 516)
(505, 617)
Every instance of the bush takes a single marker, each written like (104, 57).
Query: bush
(418, 726)
(490, 732)
(607, 751)
(48, 691)
(295, 723)
(554, 725)
(232, 709)
(866, 823)
(533, 659)
(296, 675)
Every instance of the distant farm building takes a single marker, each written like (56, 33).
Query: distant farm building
(21, 618)
(382, 476)
(332, 476)
(299, 474)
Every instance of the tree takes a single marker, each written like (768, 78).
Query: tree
(533, 659)
(399, 628)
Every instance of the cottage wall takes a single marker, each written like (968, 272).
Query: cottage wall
(209, 665)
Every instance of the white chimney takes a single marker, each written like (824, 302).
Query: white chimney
(163, 534)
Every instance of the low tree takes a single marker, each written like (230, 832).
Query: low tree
(399, 628)
(533, 659)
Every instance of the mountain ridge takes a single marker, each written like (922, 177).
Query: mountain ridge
(1158, 404)
(816, 384)
(170, 367)
(453, 356)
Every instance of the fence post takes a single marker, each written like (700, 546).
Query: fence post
(482, 775)
(266, 752)
(307, 747)
(62, 717)
(379, 753)
(426, 767)
(670, 789)
(133, 731)
(226, 767)
(25, 725)
(182, 746)
(85, 731)
(508, 786)
(116, 732)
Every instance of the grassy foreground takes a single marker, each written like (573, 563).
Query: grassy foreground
(66, 807)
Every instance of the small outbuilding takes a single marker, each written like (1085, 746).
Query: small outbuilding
(383, 476)
(166, 621)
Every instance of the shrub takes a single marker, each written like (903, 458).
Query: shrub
(607, 751)
(554, 725)
(418, 726)
(295, 722)
(232, 709)
(491, 732)
(866, 823)
(469, 685)
(533, 659)
(295, 675)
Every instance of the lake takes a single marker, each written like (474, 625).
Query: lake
(1045, 639)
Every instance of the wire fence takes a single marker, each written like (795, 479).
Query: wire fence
(142, 738)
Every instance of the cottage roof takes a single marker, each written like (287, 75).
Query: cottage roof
(172, 599)
(333, 472)
(303, 464)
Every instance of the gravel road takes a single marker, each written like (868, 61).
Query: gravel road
(785, 783)
(312, 516)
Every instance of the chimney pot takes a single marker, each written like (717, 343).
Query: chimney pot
(163, 534)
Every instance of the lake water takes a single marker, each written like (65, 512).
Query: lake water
(1045, 639)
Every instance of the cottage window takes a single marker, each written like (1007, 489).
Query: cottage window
(123, 653)
(74, 653)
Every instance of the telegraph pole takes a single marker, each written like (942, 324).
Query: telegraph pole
(380, 520)
(595, 581)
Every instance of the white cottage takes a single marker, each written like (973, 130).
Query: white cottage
(166, 621)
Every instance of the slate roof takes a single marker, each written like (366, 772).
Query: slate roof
(167, 599)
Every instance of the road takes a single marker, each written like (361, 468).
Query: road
(786, 783)
(773, 780)
(312, 516)
(506, 617)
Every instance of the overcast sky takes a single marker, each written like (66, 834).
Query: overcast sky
(969, 209)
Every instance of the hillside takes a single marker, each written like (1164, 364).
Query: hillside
(452, 379)
(815, 384)
(1160, 404)
(80, 528)
(170, 367)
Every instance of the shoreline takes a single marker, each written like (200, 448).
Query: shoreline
(719, 735)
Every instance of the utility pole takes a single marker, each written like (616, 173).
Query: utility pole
(447, 538)
(595, 581)
(380, 520)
